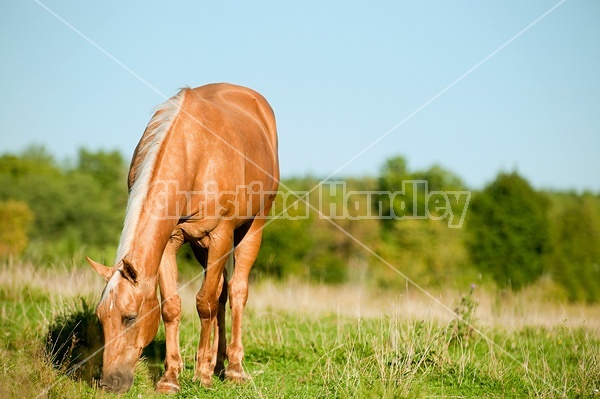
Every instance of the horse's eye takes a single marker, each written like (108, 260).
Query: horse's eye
(128, 319)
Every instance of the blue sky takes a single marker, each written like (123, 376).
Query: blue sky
(338, 74)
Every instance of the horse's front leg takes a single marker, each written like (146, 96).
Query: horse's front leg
(171, 314)
(207, 301)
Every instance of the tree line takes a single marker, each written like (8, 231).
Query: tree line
(510, 235)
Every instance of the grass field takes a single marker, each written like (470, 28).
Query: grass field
(316, 341)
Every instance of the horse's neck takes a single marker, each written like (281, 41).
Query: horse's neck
(143, 242)
(148, 246)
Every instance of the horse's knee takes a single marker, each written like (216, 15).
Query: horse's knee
(238, 291)
(171, 309)
(207, 307)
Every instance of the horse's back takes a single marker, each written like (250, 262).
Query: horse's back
(234, 127)
(220, 127)
(245, 109)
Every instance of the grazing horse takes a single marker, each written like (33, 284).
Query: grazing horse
(205, 172)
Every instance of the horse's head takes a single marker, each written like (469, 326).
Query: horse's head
(129, 312)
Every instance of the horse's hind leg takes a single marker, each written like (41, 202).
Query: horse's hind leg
(245, 254)
(171, 313)
(219, 348)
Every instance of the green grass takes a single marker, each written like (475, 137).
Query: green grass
(293, 354)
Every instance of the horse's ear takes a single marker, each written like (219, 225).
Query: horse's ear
(128, 271)
(104, 271)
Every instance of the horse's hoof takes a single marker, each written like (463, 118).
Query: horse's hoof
(237, 377)
(219, 372)
(206, 382)
(167, 387)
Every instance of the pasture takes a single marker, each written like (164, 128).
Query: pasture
(305, 340)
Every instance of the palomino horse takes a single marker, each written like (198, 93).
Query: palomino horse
(204, 172)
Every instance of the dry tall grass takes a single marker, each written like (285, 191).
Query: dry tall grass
(531, 307)
(496, 309)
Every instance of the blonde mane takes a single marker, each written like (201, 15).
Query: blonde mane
(147, 151)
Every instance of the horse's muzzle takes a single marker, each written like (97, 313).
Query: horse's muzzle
(117, 382)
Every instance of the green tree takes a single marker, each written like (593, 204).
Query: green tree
(426, 250)
(315, 248)
(106, 167)
(440, 179)
(34, 160)
(72, 206)
(98, 187)
(16, 218)
(34, 178)
(391, 179)
(286, 244)
(575, 257)
(509, 231)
